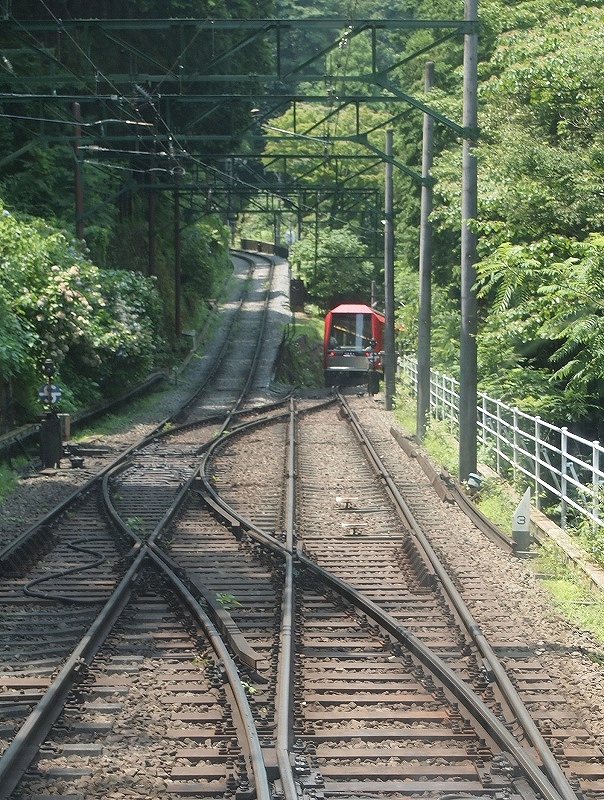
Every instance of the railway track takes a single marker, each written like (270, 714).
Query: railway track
(386, 617)
(26, 437)
(266, 613)
(90, 553)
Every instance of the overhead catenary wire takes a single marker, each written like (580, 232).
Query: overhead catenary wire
(173, 148)
(125, 101)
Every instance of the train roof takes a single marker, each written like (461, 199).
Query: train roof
(354, 308)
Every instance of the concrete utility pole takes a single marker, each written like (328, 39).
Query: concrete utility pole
(389, 354)
(424, 316)
(468, 394)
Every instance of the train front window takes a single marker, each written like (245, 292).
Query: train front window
(350, 330)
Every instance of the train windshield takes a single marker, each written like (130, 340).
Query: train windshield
(350, 330)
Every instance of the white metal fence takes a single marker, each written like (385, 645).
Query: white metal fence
(562, 469)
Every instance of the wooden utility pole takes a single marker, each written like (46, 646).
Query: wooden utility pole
(77, 173)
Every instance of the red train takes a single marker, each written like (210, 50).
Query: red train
(352, 345)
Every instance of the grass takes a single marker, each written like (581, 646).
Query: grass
(8, 479)
(309, 325)
(116, 422)
(438, 442)
(497, 500)
(592, 541)
(577, 602)
(301, 361)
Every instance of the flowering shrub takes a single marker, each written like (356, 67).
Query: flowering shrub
(13, 340)
(101, 328)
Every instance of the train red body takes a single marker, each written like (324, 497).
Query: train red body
(353, 341)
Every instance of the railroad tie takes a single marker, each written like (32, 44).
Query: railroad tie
(347, 502)
(354, 527)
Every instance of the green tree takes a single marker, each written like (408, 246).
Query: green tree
(14, 355)
(541, 152)
(540, 170)
(102, 328)
(542, 342)
(335, 267)
(205, 261)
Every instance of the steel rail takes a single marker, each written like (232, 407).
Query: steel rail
(548, 787)
(263, 790)
(449, 489)
(27, 432)
(493, 665)
(226, 342)
(491, 725)
(221, 618)
(219, 505)
(491, 531)
(23, 749)
(259, 340)
(22, 435)
(284, 693)
(12, 553)
(287, 640)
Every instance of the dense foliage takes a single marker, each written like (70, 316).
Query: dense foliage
(541, 207)
(335, 267)
(540, 211)
(540, 156)
(101, 328)
(145, 202)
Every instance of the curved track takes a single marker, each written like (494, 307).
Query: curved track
(94, 560)
(397, 691)
(266, 612)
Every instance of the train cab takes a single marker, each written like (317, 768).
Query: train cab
(353, 343)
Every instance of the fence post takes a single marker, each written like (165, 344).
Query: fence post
(449, 403)
(498, 441)
(595, 482)
(537, 463)
(563, 474)
(515, 439)
(483, 420)
(495, 435)
(436, 394)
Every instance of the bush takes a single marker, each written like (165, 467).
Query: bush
(101, 328)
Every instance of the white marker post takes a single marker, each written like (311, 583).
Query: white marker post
(521, 524)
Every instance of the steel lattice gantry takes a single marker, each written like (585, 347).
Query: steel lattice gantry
(165, 89)
(173, 91)
(210, 72)
(173, 95)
